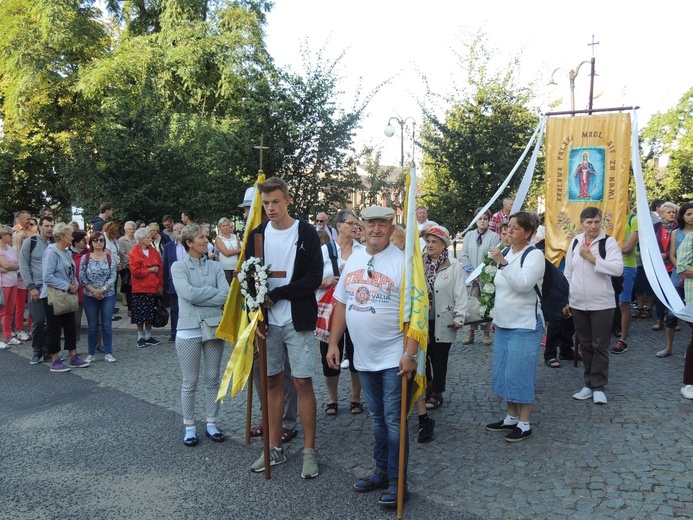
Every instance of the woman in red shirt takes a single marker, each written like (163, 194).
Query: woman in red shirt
(147, 283)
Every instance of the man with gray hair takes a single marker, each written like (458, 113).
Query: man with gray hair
(502, 216)
(367, 301)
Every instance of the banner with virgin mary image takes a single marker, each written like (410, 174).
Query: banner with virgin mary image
(587, 164)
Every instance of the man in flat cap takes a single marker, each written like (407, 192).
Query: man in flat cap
(368, 296)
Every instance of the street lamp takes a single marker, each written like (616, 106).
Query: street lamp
(572, 74)
(390, 131)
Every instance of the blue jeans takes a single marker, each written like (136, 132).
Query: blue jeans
(383, 391)
(95, 309)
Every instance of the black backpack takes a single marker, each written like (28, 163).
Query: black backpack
(555, 289)
(616, 281)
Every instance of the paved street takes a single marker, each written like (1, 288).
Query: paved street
(106, 441)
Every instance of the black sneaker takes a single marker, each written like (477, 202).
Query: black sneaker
(141, 342)
(48, 358)
(152, 341)
(426, 431)
(500, 426)
(518, 435)
(620, 348)
(36, 360)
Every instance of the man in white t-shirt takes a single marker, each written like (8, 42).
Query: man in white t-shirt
(290, 245)
(368, 295)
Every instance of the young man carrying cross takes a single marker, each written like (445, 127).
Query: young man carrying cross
(290, 245)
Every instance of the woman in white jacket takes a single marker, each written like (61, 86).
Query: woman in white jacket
(592, 299)
(448, 296)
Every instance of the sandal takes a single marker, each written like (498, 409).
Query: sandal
(469, 340)
(256, 431)
(287, 434)
(636, 313)
(356, 407)
(332, 409)
(435, 401)
(658, 326)
(389, 498)
(646, 313)
(552, 363)
(378, 480)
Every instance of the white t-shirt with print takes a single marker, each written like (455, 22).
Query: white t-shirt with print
(280, 253)
(372, 307)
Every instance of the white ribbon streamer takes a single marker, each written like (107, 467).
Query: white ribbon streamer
(540, 128)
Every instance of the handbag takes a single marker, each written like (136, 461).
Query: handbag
(125, 278)
(473, 306)
(161, 315)
(62, 301)
(209, 327)
(326, 305)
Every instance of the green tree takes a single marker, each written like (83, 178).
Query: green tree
(43, 47)
(312, 135)
(670, 135)
(470, 150)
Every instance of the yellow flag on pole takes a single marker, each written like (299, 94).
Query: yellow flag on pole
(414, 304)
(235, 319)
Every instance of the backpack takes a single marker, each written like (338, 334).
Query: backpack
(616, 281)
(86, 257)
(332, 251)
(554, 289)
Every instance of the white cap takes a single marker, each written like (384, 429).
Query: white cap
(248, 198)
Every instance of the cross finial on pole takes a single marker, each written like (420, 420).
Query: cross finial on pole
(261, 148)
(592, 45)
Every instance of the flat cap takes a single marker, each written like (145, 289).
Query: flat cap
(378, 212)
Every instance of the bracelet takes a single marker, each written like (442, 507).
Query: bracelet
(413, 358)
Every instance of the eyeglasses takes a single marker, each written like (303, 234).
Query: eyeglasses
(351, 223)
(98, 240)
(369, 268)
(319, 220)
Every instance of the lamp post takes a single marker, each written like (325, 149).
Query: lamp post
(390, 131)
(572, 74)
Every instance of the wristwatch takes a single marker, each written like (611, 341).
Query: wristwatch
(412, 357)
(503, 263)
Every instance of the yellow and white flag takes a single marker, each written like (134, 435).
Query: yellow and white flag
(414, 302)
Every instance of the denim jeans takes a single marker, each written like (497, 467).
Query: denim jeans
(95, 309)
(383, 391)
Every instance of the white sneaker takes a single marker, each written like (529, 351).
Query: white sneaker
(583, 394)
(599, 397)
(110, 358)
(13, 341)
(90, 359)
(687, 391)
(23, 336)
(3, 345)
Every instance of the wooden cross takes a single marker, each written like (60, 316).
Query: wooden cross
(262, 358)
(261, 148)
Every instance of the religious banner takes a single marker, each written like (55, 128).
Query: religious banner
(587, 164)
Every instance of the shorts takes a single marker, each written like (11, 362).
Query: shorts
(629, 274)
(283, 341)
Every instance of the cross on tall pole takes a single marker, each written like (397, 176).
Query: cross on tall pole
(592, 75)
(261, 148)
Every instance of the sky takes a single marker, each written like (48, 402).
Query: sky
(641, 58)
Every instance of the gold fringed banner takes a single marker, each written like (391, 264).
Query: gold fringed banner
(587, 164)
(238, 367)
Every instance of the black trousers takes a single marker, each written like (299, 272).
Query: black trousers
(64, 323)
(436, 361)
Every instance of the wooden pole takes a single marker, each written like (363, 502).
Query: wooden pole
(262, 354)
(402, 437)
(249, 406)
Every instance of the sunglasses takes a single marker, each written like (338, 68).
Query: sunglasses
(318, 220)
(369, 268)
(98, 240)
